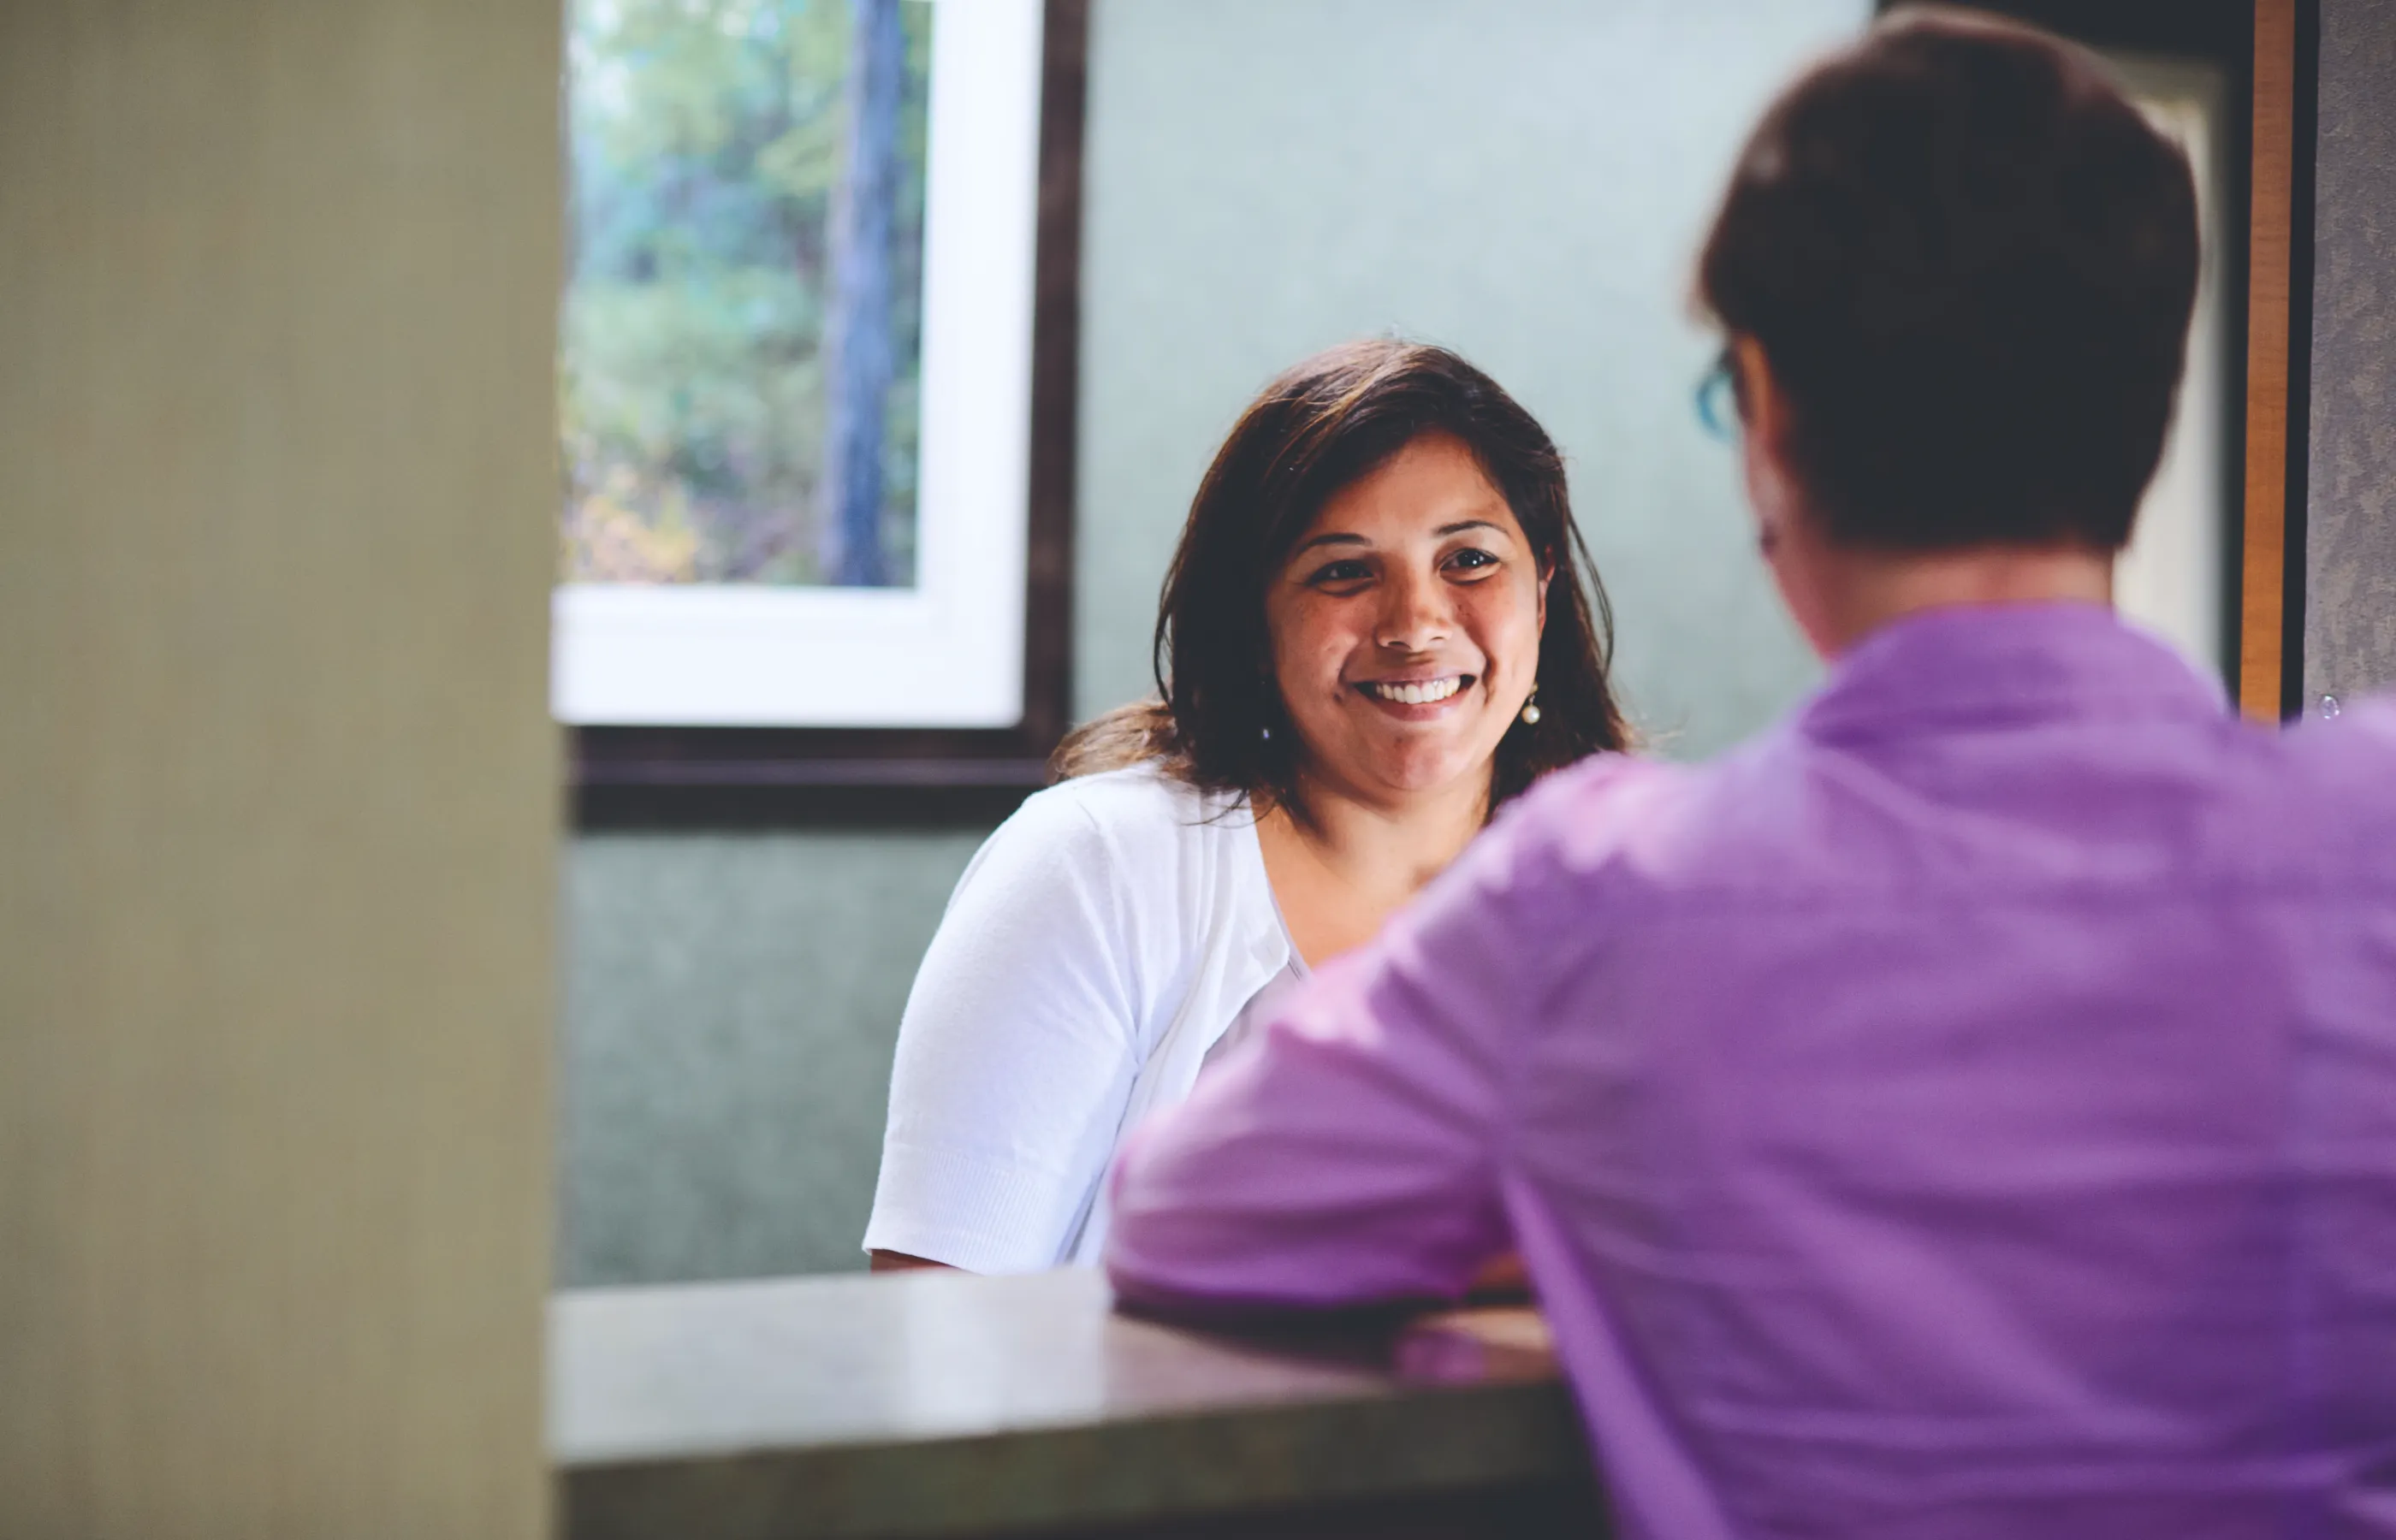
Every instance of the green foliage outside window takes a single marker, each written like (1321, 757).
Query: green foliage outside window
(706, 149)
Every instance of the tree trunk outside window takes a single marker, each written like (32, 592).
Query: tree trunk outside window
(857, 346)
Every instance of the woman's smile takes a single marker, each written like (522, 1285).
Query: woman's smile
(1417, 698)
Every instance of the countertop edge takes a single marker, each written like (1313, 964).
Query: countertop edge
(1430, 1440)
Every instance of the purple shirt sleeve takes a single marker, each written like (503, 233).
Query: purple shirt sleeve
(1349, 1152)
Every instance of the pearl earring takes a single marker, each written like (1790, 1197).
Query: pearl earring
(1531, 709)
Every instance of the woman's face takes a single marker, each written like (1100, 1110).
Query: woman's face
(1406, 624)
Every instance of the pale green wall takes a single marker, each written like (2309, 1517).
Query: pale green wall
(731, 1003)
(1523, 180)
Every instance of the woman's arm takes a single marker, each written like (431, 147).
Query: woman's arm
(1016, 1054)
(891, 1261)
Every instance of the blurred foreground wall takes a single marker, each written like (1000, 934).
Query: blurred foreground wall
(277, 289)
(1523, 180)
(2351, 516)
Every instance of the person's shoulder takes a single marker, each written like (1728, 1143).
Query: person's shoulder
(1601, 780)
(2365, 727)
(1558, 853)
(1154, 859)
(1635, 836)
(1589, 812)
(2351, 757)
(1135, 819)
(1142, 802)
(2344, 773)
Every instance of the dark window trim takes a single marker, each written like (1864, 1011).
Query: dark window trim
(750, 777)
(2303, 133)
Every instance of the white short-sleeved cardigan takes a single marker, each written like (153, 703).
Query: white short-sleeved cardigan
(1101, 941)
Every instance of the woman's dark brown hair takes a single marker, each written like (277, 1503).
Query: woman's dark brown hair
(1319, 428)
(1970, 263)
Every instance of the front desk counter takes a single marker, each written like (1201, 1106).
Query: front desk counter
(926, 1404)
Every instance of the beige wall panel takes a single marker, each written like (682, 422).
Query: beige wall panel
(277, 785)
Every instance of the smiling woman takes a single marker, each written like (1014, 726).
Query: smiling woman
(1405, 634)
(1380, 625)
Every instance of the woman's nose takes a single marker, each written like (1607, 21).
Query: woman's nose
(1416, 614)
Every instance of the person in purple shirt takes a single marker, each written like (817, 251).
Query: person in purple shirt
(1969, 1109)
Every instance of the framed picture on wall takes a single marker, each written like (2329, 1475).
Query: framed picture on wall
(816, 384)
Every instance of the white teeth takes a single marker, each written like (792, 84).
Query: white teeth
(1418, 694)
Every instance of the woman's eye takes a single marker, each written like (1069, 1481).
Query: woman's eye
(1471, 558)
(1340, 572)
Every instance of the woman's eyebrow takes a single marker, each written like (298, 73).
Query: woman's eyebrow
(1444, 531)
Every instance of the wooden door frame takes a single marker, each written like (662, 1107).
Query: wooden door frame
(2279, 359)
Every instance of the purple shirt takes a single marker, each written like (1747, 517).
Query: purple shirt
(1969, 1110)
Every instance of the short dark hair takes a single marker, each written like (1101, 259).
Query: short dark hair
(1321, 427)
(1970, 263)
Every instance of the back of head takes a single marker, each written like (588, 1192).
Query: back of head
(1971, 263)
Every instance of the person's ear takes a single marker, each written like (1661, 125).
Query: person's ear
(1761, 404)
(1546, 575)
(1763, 413)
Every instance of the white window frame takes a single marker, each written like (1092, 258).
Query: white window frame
(948, 652)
